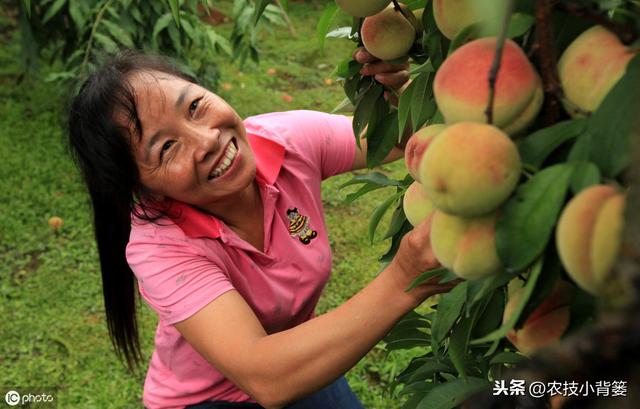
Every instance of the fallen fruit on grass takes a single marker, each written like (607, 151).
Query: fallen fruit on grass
(55, 223)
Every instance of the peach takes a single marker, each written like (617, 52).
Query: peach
(453, 15)
(362, 8)
(389, 34)
(588, 69)
(470, 169)
(55, 223)
(417, 146)
(465, 246)
(461, 86)
(547, 322)
(588, 236)
(416, 204)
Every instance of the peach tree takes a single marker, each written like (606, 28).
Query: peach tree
(522, 116)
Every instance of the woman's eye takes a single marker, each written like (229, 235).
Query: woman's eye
(193, 106)
(165, 148)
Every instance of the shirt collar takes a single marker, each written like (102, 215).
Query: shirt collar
(268, 156)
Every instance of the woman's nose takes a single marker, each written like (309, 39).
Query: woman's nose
(207, 143)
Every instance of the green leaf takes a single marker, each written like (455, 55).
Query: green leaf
(107, 43)
(422, 105)
(458, 343)
(119, 34)
(508, 325)
(397, 221)
(527, 220)
(375, 178)
(585, 174)
(262, 4)
(77, 13)
(451, 394)
(53, 10)
(27, 7)
(448, 311)
(324, 23)
(615, 120)
(426, 370)
(491, 316)
(382, 138)
(506, 357)
(536, 147)
(365, 109)
(404, 107)
(347, 68)
(161, 24)
(175, 10)
(379, 212)
(424, 277)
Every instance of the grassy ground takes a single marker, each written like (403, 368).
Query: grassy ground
(53, 332)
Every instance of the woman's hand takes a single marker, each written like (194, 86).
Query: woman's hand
(414, 257)
(392, 76)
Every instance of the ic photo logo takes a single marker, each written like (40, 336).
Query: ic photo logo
(33, 396)
(12, 398)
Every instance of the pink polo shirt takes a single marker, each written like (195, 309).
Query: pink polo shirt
(182, 264)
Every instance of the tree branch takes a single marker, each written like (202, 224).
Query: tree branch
(497, 59)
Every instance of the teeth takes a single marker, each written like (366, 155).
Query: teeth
(229, 155)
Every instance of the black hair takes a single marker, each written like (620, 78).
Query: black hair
(102, 149)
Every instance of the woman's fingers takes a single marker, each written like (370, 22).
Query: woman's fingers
(393, 80)
(392, 76)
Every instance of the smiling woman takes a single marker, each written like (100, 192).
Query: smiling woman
(219, 221)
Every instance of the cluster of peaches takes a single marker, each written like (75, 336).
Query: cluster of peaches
(466, 169)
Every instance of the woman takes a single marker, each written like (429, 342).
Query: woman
(220, 222)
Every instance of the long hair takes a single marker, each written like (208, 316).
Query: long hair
(102, 149)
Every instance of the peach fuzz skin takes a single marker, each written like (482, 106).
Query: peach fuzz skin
(545, 325)
(466, 246)
(470, 169)
(461, 86)
(588, 69)
(589, 234)
(417, 146)
(416, 204)
(389, 34)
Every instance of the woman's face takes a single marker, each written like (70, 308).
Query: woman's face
(193, 146)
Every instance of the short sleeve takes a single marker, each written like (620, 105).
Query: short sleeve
(174, 278)
(326, 141)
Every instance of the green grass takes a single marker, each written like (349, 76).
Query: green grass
(53, 331)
